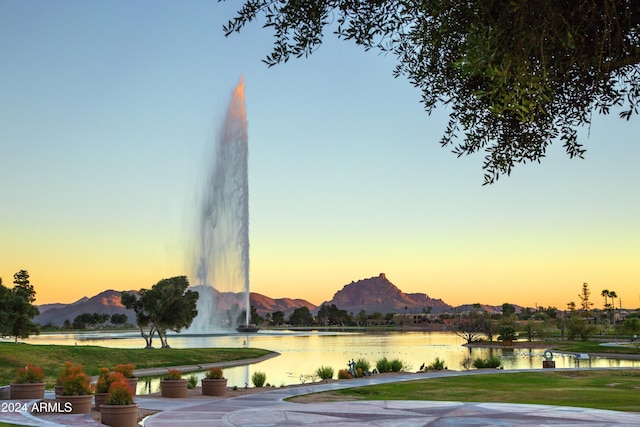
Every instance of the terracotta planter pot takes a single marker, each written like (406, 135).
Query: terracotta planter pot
(214, 387)
(100, 398)
(174, 388)
(119, 415)
(58, 389)
(27, 391)
(79, 404)
(133, 383)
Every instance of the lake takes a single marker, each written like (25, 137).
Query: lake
(303, 352)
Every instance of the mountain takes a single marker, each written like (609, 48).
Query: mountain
(379, 294)
(372, 294)
(106, 302)
(265, 305)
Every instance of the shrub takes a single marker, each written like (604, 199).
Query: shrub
(343, 374)
(325, 372)
(467, 363)
(67, 368)
(106, 378)
(75, 382)
(491, 362)
(30, 374)
(437, 365)
(383, 365)
(173, 374)
(396, 365)
(192, 382)
(119, 392)
(214, 373)
(363, 364)
(125, 369)
(258, 378)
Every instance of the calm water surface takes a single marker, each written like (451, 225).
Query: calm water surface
(304, 352)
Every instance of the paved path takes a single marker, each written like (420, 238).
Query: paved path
(268, 409)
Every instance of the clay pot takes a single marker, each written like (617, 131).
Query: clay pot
(27, 390)
(174, 388)
(119, 415)
(100, 398)
(78, 404)
(214, 387)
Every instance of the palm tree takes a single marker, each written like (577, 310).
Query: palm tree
(605, 294)
(613, 296)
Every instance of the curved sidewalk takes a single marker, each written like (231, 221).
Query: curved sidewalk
(268, 409)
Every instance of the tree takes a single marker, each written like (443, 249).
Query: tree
(16, 308)
(584, 299)
(301, 316)
(361, 318)
(277, 317)
(174, 306)
(613, 296)
(515, 75)
(118, 319)
(470, 327)
(137, 304)
(508, 334)
(256, 319)
(508, 309)
(168, 305)
(578, 327)
(605, 294)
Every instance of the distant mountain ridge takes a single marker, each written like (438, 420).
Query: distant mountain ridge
(379, 294)
(106, 302)
(109, 302)
(373, 294)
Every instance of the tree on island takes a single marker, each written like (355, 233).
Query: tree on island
(515, 76)
(16, 308)
(471, 326)
(168, 305)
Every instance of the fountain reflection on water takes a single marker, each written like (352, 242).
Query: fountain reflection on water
(304, 352)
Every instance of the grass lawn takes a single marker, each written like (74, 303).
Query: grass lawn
(595, 347)
(51, 357)
(601, 389)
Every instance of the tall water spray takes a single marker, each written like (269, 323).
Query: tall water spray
(222, 252)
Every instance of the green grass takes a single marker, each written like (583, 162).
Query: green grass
(595, 347)
(92, 358)
(603, 389)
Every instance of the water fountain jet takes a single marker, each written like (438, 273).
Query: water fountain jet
(221, 261)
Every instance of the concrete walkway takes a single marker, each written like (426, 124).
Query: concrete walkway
(269, 409)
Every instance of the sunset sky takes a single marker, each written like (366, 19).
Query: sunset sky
(107, 111)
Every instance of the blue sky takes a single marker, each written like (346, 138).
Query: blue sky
(108, 110)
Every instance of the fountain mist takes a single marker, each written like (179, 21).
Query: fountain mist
(222, 252)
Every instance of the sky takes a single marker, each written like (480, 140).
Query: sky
(107, 111)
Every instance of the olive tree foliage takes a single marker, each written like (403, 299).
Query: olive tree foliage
(168, 305)
(515, 75)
